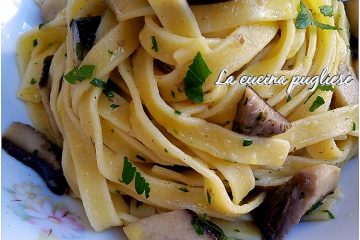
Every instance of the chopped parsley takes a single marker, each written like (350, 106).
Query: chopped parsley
(33, 81)
(305, 19)
(208, 197)
(260, 117)
(110, 52)
(326, 87)
(195, 77)
(41, 25)
(330, 214)
(154, 44)
(177, 112)
(317, 103)
(35, 42)
(102, 85)
(236, 230)
(288, 99)
(314, 207)
(354, 126)
(327, 10)
(79, 51)
(128, 174)
(79, 74)
(184, 189)
(114, 106)
(202, 224)
(247, 142)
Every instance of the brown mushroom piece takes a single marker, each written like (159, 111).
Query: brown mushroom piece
(33, 149)
(175, 225)
(346, 94)
(255, 117)
(83, 32)
(44, 90)
(284, 206)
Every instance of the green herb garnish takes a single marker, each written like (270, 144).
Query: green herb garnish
(184, 189)
(317, 103)
(79, 51)
(330, 214)
(247, 142)
(79, 74)
(354, 126)
(33, 81)
(114, 106)
(208, 197)
(288, 99)
(326, 87)
(128, 174)
(101, 84)
(154, 44)
(195, 77)
(327, 10)
(305, 19)
(314, 207)
(110, 52)
(177, 112)
(202, 224)
(236, 230)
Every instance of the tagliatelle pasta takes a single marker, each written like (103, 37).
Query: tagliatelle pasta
(146, 121)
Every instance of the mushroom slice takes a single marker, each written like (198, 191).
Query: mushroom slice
(255, 117)
(175, 225)
(44, 90)
(33, 149)
(346, 94)
(83, 31)
(284, 206)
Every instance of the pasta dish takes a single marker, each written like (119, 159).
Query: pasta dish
(129, 119)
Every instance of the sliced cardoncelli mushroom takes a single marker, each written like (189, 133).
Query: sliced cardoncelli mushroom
(44, 90)
(284, 206)
(255, 117)
(175, 225)
(51, 8)
(83, 31)
(346, 94)
(33, 149)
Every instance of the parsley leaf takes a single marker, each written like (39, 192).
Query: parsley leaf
(208, 197)
(327, 10)
(305, 19)
(154, 44)
(33, 81)
(202, 224)
(184, 189)
(330, 214)
(247, 142)
(101, 84)
(128, 174)
(79, 74)
(288, 99)
(80, 51)
(317, 103)
(354, 126)
(314, 207)
(195, 77)
(326, 87)
(177, 112)
(114, 106)
(236, 230)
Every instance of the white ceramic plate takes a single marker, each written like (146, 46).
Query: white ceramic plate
(31, 212)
